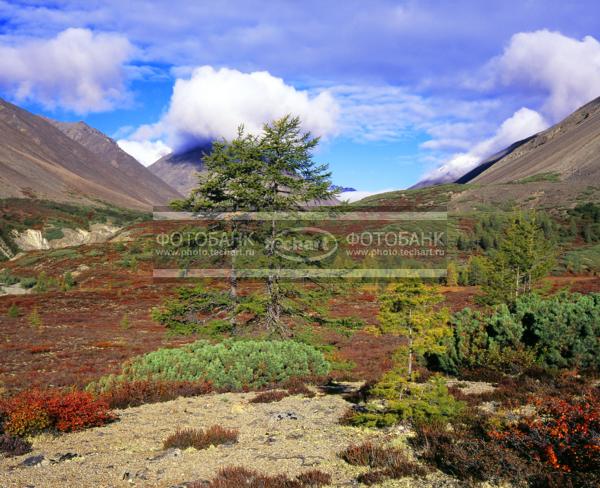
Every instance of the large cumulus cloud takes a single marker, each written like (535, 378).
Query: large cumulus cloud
(211, 103)
(78, 70)
(565, 69)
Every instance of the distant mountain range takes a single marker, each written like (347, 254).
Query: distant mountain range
(71, 162)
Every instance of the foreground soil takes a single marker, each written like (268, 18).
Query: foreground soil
(291, 436)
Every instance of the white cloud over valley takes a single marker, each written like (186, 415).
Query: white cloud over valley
(522, 124)
(78, 70)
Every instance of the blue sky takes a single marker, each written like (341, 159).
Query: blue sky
(399, 90)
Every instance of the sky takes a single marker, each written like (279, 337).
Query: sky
(398, 91)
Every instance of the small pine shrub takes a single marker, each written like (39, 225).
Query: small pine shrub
(68, 281)
(13, 446)
(13, 311)
(418, 403)
(201, 439)
(28, 282)
(229, 365)
(270, 396)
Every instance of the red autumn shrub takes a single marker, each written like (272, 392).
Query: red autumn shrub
(201, 439)
(135, 393)
(270, 396)
(237, 476)
(25, 413)
(76, 410)
(33, 411)
(563, 434)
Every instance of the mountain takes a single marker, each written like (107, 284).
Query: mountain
(179, 170)
(107, 149)
(568, 151)
(556, 169)
(37, 160)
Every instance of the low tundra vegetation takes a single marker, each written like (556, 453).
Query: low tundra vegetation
(13, 446)
(236, 477)
(385, 462)
(201, 439)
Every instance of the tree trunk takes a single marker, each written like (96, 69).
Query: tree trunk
(410, 346)
(273, 306)
(233, 283)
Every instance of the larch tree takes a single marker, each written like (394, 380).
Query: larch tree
(408, 310)
(271, 172)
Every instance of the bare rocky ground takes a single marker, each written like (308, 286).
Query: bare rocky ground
(291, 436)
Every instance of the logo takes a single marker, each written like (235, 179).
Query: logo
(305, 244)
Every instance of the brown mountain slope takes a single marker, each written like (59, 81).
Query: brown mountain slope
(107, 149)
(569, 151)
(38, 161)
(179, 170)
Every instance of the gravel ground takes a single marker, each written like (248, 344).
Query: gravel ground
(291, 436)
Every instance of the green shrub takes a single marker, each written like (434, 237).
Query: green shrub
(68, 281)
(125, 323)
(229, 365)
(66, 253)
(8, 279)
(557, 332)
(419, 403)
(13, 311)
(54, 233)
(34, 319)
(28, 282)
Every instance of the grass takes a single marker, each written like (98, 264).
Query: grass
(540, 177)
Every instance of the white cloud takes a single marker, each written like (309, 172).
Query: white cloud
(523, 123)
(567, 69)
(77, 70)
(354, 196)
(146, 152)
(212, 103)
